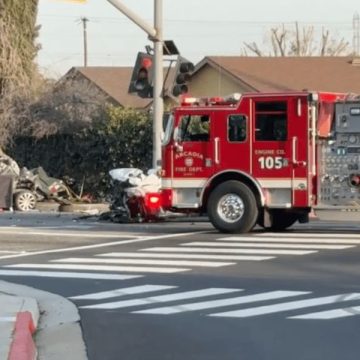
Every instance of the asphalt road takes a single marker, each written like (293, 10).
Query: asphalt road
(184, 291)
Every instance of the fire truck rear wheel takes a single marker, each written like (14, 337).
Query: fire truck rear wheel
(232, 207)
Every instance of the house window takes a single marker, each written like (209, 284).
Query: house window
(271, 121)
(236, 128)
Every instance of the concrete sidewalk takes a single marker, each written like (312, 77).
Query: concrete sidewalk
(35, 324)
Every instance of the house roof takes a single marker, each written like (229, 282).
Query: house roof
(264, 74)
(114, 81)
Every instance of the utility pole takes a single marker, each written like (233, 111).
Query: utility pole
(156, 36)
(356, 34)
(84, 21)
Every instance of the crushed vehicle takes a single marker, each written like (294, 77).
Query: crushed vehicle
(132, 199)
(31, 186)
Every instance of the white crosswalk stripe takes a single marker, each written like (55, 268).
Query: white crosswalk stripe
(144, 269)
(329, 314)
(163, 298)
(121, 292)
(68, 275)
(223, 302)
(310, 235)
(292, 305)
(145, 262)
(290, 239)
(265, 245)
(231, 251)
(154, 255)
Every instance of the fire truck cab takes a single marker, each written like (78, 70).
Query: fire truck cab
(266, 159)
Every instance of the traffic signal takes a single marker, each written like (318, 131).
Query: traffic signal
(183, 70)
(141, 79)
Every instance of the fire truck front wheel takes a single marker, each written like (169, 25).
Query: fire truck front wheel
(232, 207)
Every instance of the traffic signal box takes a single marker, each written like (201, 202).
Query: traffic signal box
(183, 71)
(142, 77)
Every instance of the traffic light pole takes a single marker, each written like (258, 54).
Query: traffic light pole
(156, 35)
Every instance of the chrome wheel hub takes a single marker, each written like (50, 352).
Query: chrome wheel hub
(230, 208)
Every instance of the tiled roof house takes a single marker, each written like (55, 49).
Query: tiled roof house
(223, 75)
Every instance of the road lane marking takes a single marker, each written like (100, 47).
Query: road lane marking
(122, 292)
(287, 306)
(10, 252)
(329, 314)
(163, 298)
(228, 250)
(99, 268)
(270, 246)
(93, 234)
(145, 262)
(272, 295)
(264, 239)
(96, 246)
(70, 275)
(7, 318)
(186, 256)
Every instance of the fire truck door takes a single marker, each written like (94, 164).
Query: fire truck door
(193, 155)
(280, 150)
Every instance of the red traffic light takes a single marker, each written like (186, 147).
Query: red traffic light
(142, 76)
(146, 62)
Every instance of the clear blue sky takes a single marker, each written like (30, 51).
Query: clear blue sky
(198, 27)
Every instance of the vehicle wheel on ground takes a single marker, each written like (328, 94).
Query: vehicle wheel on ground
(25, 200)
(232, 207)
(280, 220)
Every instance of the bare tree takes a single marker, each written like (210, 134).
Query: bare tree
(66, 107)
(299, 41)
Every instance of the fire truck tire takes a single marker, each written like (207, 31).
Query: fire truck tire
(232, 207)
(25, 200)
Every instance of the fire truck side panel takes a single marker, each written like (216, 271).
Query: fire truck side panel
(339, 158)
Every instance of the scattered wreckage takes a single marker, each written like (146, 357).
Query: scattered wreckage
(31, 186)
(132, 190)
(135, 196)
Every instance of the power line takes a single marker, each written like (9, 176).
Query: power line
(197, 21)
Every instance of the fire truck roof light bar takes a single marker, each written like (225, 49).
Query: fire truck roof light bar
(228, 100)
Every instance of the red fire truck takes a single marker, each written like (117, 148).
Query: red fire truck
(266, 159)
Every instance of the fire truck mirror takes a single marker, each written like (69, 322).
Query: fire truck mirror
(177, 139)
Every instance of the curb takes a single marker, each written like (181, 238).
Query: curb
(23, 346)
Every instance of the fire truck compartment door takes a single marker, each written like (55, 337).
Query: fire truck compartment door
(280, 150)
